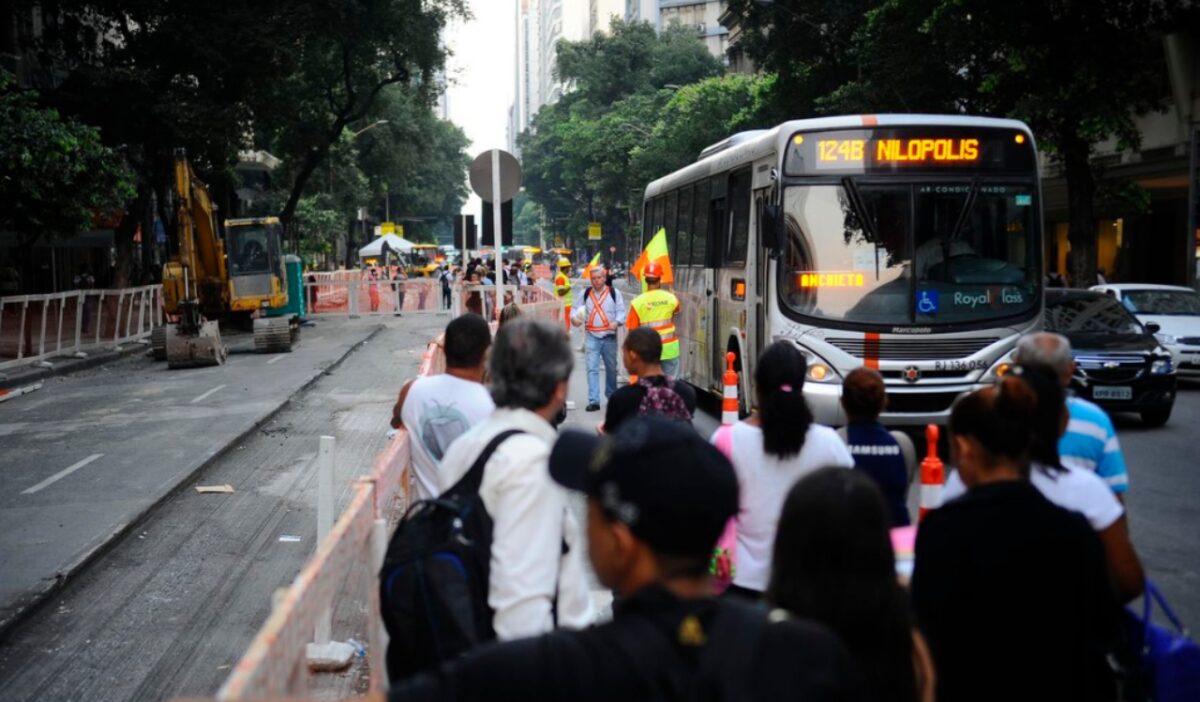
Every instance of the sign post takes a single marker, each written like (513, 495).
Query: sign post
(496, 177)
(497, 235)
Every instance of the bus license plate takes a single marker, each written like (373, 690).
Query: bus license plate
(1112, 393)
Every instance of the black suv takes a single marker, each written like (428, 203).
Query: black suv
(1119, 364)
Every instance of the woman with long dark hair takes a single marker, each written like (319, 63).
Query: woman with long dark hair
(770, 451)
(1076, 489)
(1010, 589)
(834, 564)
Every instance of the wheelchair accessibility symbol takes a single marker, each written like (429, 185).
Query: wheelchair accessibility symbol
(927, 302)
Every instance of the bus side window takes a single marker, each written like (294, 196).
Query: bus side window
(683, 242)
(700, 225)
(657, 222)
(672, 204)
(739, 221)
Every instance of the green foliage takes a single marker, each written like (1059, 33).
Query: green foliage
(416, 160)
(56, 174)
(527, 221)
(156, 75)
(809, 44)
(589, 156)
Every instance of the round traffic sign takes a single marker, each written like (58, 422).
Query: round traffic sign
(481, 175)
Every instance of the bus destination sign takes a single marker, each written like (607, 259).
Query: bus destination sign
(892, 150)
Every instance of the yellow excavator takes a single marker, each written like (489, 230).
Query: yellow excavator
(208, 279)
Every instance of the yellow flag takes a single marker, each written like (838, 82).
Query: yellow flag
(656, 252)
(587, 270)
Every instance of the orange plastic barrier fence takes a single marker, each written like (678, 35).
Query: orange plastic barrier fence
(275, 664)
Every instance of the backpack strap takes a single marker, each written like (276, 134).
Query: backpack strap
(470, 482)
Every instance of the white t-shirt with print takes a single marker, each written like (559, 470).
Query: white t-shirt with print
(439, 409)
(1076, 489)
(764, 482)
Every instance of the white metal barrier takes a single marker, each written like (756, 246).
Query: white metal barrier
(34, 328)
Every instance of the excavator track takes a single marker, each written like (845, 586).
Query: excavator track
(158, 343)
(275, 334)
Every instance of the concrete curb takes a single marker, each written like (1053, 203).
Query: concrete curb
(39, 598)
(66, 365)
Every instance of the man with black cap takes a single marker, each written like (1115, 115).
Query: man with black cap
(658, 497)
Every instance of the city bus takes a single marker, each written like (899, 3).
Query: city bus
(911, 244)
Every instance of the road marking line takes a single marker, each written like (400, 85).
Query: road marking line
(275, 359)
(61, 474)
(204, 395)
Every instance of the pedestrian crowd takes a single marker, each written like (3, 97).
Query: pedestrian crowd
(1015, 593)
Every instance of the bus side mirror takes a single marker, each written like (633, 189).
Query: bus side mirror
(771, 227)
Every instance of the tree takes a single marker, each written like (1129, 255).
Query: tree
(155, 75)
(57, 177)
(808, 44)
(577, 154)
(1076, 72)
(347, 54)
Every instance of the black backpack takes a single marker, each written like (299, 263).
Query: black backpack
(433, 587)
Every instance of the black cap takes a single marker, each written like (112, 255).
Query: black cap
(672, 488)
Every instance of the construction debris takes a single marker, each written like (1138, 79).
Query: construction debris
(219, 489)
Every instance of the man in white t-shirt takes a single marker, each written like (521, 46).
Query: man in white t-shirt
(437, 409)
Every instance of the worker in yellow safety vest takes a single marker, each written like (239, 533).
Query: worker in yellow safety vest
(657, 308)
(562, 288)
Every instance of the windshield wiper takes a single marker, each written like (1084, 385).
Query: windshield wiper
(864, 220)
(966, 210)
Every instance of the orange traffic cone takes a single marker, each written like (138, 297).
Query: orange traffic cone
(729, 404)
(933, 474)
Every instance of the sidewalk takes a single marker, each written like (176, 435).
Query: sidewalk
(88, 456)
(65, 365)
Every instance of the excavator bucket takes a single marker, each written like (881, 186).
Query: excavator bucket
(203, 349)
(275, 334)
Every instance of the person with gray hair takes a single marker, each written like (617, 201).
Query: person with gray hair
(1090, 441)
(536, 578)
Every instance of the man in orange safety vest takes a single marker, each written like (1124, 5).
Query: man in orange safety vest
(601, 313)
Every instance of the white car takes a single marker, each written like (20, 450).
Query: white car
(1176, 312)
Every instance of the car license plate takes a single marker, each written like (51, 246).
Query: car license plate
(1112, 393)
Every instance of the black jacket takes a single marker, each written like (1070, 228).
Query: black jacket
(658, 647)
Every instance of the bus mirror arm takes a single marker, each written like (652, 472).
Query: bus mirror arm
(772, 227)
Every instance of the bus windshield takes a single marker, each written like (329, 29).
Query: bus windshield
(914, 253)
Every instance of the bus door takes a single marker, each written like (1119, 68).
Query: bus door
(732, 248)
(758, 292)
(718, 226)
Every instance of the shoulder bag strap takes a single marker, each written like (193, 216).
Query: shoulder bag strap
(469, 483)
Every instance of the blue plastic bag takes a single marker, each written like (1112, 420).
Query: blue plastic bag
(1168, 661)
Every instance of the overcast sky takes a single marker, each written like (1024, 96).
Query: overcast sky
(480, 72)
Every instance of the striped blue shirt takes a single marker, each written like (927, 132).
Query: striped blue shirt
(1091, 443)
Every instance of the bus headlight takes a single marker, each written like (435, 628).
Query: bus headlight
(819, 372)
(999, 369)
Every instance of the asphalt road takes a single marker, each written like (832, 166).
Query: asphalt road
(171, 605)
(1164, 500)
(175, 602)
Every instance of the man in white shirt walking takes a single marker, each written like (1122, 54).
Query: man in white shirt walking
(437, 409)
(536, 578)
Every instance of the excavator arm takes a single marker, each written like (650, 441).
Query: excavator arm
(198, 272)
(195, 289)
